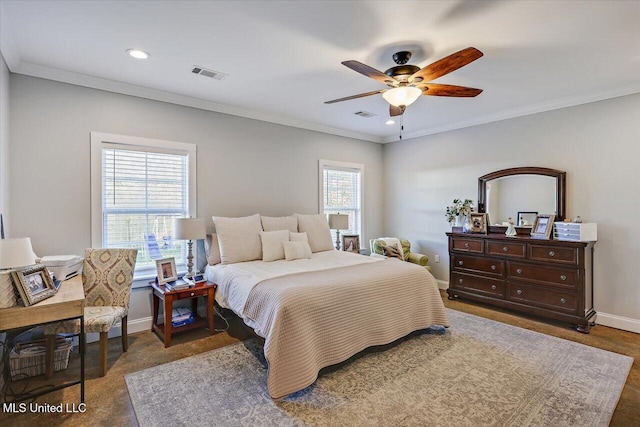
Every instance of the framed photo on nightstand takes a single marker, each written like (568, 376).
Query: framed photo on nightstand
(166, 270)
(351, 243)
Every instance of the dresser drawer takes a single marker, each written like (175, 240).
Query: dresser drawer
(468, 245)
(543, 297)
(507, 249)
(553, 254)
(564, 277)
(472, 264)
(478, 285)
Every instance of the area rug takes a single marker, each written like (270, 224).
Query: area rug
(479, 372)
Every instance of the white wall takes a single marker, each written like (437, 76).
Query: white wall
(597, 144)
(4, 140)
(244, 166)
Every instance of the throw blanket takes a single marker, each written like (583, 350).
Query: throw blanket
(315, 319)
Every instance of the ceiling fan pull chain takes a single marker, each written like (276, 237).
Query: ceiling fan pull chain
(401, 125)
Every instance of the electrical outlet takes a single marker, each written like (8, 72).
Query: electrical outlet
(437, 258)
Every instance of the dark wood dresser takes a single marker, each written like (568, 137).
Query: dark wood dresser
(548, 278)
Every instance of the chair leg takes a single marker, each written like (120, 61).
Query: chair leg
(48, 354)
(125, 337)
(103, 353)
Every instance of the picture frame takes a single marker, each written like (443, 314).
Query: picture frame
(526, 219)
(351, 243)
(34, 284)
(166, 268)
(478, 222)
(542, 226)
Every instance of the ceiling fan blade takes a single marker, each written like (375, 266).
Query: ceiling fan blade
(435, 89)
(370, 72)
(446, 65)
(360, 95)
(396, 111)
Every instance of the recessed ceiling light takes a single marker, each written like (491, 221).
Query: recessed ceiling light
(390, 122)
(138, 54)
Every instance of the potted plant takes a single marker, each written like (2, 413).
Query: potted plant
(458, 213)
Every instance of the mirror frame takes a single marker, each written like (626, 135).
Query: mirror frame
(561, 185)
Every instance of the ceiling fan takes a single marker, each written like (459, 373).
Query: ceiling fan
(408, 82)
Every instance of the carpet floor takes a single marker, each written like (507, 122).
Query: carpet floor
(479, 372)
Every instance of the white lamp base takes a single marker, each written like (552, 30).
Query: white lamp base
(7, 295)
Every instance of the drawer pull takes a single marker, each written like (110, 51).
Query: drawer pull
(505, 249)
(519, 271)
(563, 277)
(466, 245)
(460, 280)
(519, 292)
(192, 294)
(552, 253)
(493, 267)
(493, 287)
(563, 300)
(460, 262)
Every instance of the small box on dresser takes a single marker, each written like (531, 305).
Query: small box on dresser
(575, 232)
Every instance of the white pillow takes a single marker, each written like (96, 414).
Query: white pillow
(317, 229)
(296, 250)
(272, 223)
(272, 244)
(239, 238)
(298, 237)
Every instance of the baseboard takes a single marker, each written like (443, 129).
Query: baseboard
(133, 326)
(443, 284)
(618, 322)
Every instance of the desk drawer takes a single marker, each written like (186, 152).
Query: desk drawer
(468, 245)
(507, 249)
(478, 285)
(543, 297)
(480, 265)
(553, 254)
(564, 277)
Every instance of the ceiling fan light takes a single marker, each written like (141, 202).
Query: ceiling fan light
(405, 95)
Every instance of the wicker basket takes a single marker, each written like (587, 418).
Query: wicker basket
(30, 364)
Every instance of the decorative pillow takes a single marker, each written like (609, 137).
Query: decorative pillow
(296, 250)
(317, 229)
(273, 223)
(298, 237)
(212, 249)
(239, 238)
(272, 244)
(392, 251)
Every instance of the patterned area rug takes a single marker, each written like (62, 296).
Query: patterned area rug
(479, 372)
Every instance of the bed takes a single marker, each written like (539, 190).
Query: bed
(319, 311)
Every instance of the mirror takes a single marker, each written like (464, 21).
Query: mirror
(522, 193)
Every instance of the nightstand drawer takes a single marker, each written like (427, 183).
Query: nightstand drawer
(564, 277)
(480, 285)
(192, 293)
(472, 264)
(468, 245)
(553, 254)
(543, 297)
(507, 249)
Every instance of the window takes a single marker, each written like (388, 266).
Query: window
(341, 192)
(139, 186)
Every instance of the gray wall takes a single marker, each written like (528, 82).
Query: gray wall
(596, 144)
(244, 166)
(4, 138)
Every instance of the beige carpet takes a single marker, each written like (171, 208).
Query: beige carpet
(479, 372)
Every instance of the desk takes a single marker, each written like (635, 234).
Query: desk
(66, 304)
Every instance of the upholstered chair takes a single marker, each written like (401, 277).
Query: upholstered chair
(107, 276)
(391, 246)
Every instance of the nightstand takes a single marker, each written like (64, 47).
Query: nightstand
(201, 289)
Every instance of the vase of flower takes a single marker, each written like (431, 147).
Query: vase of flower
(458, 214)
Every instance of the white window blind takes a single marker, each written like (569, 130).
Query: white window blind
(342, 193)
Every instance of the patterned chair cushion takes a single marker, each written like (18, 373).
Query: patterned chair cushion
(96, 319)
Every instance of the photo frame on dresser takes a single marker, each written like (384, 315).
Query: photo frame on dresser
(542, 226)
(33, 284)
(478, 222)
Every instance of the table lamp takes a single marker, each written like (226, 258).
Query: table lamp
(338, 222)
(190, 229)
(14, 253)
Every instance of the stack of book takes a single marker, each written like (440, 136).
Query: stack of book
(181, 316)
(177, 285)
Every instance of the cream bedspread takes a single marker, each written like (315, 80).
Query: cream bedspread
(315, 319)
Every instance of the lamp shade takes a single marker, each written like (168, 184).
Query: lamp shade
(339, 221)
(190, 229)
(405, 95)
(17, 252)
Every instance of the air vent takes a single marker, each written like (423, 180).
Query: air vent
(364, 114)
(209, 73)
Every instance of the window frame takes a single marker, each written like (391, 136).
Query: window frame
(344, 166)
(101, 140)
